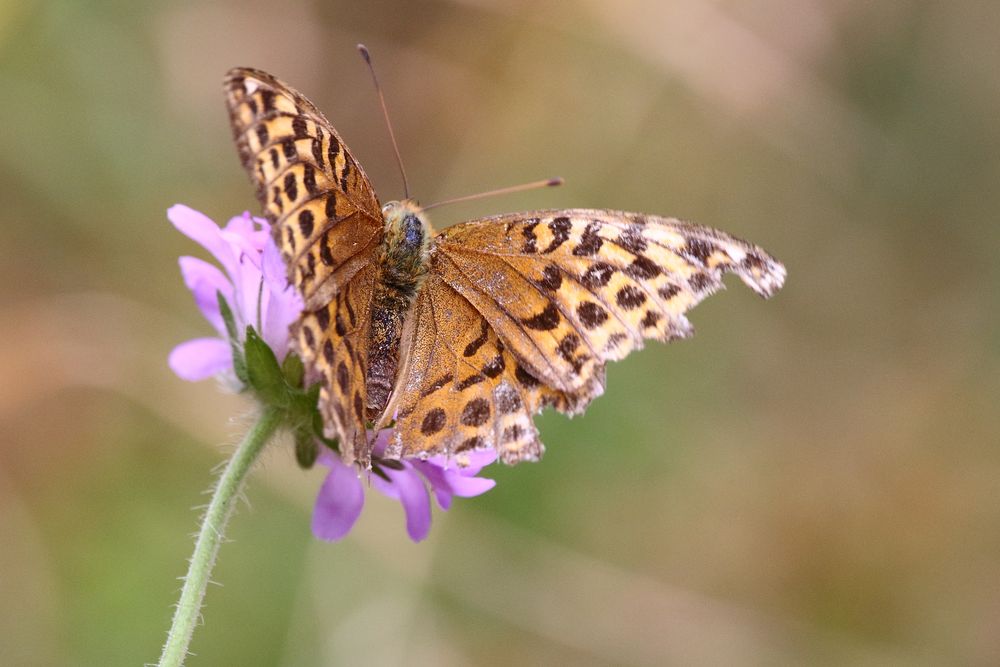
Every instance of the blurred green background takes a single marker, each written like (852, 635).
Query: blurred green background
(811, 480)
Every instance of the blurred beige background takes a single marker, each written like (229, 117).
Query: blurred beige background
(811, 480)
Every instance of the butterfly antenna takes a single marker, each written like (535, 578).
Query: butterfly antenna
(385, 113)
(547, 183)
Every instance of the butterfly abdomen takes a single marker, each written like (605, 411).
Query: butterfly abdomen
(389, 308)
(403, 260)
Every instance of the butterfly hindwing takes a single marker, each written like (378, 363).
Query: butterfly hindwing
(460, 387)
(333, 343)
(327, 222)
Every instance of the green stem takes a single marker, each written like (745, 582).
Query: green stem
(210, 537)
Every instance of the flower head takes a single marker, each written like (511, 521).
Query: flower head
(251, 305)
(252, 281)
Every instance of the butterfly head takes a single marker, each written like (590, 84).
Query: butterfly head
(406, 244)
(406, 225)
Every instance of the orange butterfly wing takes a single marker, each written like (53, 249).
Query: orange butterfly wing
(460, 387)
(327, 222)
(526, 309)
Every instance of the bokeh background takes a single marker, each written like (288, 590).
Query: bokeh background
(811, 480)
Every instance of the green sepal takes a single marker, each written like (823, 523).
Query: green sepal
(391, 464)
(306, 450)
(312, 394)
(239, 361)
(227, 315)
(293, 370)
(304, 403)
(381, 473)
(263, 371)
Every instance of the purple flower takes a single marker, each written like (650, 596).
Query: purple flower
(252, 281)
(341, 497)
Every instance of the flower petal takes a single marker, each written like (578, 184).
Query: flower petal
(448, 482)
(474, 461)
(282, 303)
(200, 228)
(280, 311)
(478, 460)
(249, 290)
(200, 358)
(339, 502)
(470, 487)
(275, 273)
(205, 281)
(408, 488)
(241, 225)
(250, 231)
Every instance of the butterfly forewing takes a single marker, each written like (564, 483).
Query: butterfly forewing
(327, 222)
(307, 181)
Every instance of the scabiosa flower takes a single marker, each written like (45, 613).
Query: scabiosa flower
(251, 305)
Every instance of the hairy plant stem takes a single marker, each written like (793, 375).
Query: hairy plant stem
(211, 534)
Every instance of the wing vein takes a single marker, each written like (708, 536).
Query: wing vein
(540, 353)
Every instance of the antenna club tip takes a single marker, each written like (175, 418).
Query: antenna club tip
(553, 182)
(363, 50)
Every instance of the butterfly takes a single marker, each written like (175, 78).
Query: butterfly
(459, 338)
